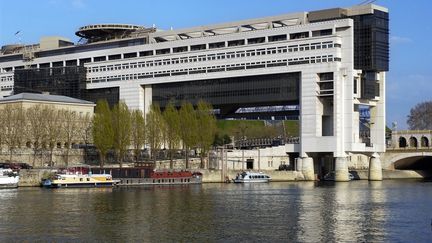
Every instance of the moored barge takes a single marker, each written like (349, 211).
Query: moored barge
(144, 174)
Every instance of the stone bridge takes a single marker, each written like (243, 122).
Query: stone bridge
(402, 159)
(409, 150)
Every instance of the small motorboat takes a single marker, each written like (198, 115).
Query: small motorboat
(8, 178)
(251, 177)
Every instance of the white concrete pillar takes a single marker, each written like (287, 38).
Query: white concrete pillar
(147, 97)
(299, 164)
(341, 169)
(375, 169)
(308, 169)
(134, 96)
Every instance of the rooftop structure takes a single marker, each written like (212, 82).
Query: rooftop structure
(44, 98)
(104, 32)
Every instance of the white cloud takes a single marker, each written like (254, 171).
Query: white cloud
(400, 39)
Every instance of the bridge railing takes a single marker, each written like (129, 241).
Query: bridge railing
(409, 148)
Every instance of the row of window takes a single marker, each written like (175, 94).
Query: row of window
(177, 49)
(6, 88)
(219, 68)
(6, 78)
(218, 56)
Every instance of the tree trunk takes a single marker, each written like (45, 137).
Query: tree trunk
(101, 159)
(202, 160)
(51, 156)
(120, 158)
(34, 156)
(10, 155)
(67, 157)
(187, 157)
(171, 159)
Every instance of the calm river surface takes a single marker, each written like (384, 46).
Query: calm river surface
(359, 211)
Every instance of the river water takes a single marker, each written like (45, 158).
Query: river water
(357, 211)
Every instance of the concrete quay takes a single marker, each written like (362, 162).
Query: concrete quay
(33, 177)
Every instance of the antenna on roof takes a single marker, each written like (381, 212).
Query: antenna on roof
(18, 36)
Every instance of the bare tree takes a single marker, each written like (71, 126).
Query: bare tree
(71, 130)
(137, 132)
(53, 129)
(121, 120)
(36, 133)
(13, 122)
(85, 132)
(172, 130)
(420, 117)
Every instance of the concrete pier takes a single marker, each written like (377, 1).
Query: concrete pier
(299, 164)
(375, 169)
(341, 169)
(308, 169)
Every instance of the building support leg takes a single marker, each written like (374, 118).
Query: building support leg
(341, 169)
(299, 164)
(375, 169)
(308, 169)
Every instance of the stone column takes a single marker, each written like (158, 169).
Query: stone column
(375, 169)
(299, 164)
(341, 169)
(308, 169)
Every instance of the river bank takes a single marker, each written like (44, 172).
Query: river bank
(33, 177)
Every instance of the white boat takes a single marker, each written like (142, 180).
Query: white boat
(8, 178)
(251, 177)
(80, 180)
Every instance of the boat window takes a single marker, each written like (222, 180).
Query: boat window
(88, 179)
(81, 179)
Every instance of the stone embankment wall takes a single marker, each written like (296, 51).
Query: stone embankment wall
(42, 158)
(32, 177)
(215, 176)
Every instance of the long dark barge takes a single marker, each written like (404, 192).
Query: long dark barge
(144, 174)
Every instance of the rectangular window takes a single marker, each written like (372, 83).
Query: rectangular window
(84, 60)
(256, 40)
(322, 32)
(180, 49)
(130, 55)
(146, 53)
(216, 45)
(299, 35)
(114, 57)
(236, 43)
(163, 51)
(198, 47)
(277, 38)
(355, 86)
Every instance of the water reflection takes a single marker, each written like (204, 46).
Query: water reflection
(358, 211)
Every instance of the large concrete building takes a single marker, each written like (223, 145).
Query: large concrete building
(324, 67)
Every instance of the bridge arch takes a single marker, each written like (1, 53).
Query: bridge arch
(424, 142)
(421, 161)
(402, 142)
(413, 143)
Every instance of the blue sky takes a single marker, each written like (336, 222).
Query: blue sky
(408, 82)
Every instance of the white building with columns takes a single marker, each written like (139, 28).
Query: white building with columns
(329, 65)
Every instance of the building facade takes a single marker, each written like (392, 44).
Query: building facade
(322, 67)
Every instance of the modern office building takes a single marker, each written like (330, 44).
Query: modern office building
(323, 67)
